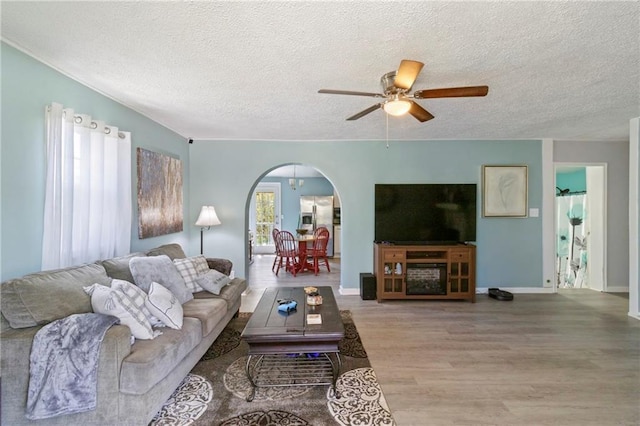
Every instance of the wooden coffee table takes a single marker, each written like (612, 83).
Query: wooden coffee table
(284, 350)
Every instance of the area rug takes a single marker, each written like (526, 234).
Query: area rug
(215, 391)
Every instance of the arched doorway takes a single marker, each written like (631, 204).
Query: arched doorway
(276, 200)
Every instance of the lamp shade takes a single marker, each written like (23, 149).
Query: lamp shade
(208, 217)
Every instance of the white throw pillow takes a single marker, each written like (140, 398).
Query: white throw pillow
(115, 303)
(163, 304)
(138, 297)
(213, 281)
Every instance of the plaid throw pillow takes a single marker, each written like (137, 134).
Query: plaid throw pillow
(138, 297)
(106, 301)
(200, 263)
(191, 268)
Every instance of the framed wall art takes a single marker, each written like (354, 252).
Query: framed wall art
(504, 191)
(159, 194)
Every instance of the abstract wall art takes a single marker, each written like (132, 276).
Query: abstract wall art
(160, 209)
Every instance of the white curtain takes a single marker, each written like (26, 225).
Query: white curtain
(87, 213)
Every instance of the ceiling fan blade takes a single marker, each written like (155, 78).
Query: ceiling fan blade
(452, 92)
(407, 73)
(420, 113)
(349, 92)
(365, 112)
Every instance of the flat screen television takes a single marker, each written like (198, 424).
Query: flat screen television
(425, 213)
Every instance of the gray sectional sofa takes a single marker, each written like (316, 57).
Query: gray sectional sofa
(133, 380)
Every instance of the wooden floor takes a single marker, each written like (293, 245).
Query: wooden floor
(571, 358)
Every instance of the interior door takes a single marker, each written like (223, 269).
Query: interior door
(265, 215)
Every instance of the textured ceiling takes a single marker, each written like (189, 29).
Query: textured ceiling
(251, 70)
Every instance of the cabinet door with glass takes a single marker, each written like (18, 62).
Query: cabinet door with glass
(461, 274)
(393, 267)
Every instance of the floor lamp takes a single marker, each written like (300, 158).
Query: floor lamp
(207, 219)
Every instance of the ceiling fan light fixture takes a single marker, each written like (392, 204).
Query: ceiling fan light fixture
(397, 106)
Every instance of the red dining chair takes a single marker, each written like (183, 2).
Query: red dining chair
(288, 252)
(278, 259)
(319, 250)
(319, 229)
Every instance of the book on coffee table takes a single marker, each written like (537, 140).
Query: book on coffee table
(314, 319)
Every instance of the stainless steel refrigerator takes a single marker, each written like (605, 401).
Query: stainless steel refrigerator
(317, 211)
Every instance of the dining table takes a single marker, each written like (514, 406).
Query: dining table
(302, 264)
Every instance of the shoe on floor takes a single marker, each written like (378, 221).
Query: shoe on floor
(498, 294)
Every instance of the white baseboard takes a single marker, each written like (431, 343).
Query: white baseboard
(349, 291)
(485, 290)
(616, 289)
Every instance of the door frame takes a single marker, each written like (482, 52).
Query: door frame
(603, 200)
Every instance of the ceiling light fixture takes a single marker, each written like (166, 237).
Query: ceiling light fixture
(292, 182)
(397, 106)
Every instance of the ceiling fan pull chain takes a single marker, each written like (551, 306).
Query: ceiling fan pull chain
(387, 118)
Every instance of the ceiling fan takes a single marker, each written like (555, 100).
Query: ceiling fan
(396, 86)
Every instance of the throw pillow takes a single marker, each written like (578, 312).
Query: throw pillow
(213, 281)
(160, 269)
(190, 268)
(200, 262)
(163, 304)
(138, 297)
(110, 302)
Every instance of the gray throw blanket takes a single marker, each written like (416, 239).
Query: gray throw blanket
(64, 365)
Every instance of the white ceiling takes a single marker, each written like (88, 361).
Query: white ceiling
(251, 70)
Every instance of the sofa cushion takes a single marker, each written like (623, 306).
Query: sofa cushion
(160, 269)
(229, 293)
(118, 267)
(46, 296)
(209, 311)
(174, 251)
(151, 360)
(164, 305)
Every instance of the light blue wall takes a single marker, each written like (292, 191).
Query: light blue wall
(509, 250)
(576, 181)
(27, 87)
(290, 199)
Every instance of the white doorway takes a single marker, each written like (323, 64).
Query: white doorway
(580, 226)
(264, 216)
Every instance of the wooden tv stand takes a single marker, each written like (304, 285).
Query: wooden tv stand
(426, 272)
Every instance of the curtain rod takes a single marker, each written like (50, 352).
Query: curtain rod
(78, 119)
(563, 194)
